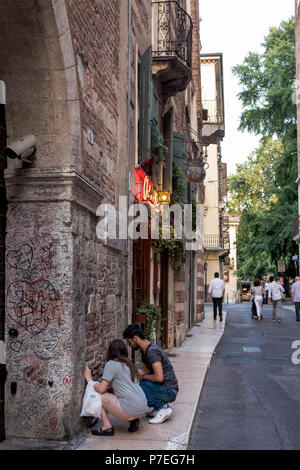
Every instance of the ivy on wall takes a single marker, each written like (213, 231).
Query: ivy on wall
(175, 248)
(158, 148)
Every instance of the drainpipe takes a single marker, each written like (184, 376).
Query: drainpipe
(128, 167)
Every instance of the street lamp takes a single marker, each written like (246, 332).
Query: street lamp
(164, 197)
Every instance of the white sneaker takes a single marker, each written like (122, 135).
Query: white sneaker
(161, 416)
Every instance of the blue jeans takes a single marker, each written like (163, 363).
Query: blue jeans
(297, 308)
(157, 395)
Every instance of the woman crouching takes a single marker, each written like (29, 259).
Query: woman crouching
(128, 401)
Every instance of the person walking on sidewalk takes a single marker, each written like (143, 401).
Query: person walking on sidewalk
(157, 378)
(257, 291)
(276, 292)
(296, 297)
(216, 292)
(266, 289)
(128, 401)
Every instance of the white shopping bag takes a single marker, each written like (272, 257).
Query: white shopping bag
(92, 401)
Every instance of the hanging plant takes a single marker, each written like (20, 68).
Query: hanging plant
(178, 185)
(175, 248)
(158, 148)
(153, 317)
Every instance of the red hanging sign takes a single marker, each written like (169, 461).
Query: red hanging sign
(145, 190)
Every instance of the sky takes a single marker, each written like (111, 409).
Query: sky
(236, 27)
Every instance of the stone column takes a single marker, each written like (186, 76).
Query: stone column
(49, 223)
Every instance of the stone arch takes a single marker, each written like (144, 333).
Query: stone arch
(38, 67)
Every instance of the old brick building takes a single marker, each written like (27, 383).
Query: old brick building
(87, 79)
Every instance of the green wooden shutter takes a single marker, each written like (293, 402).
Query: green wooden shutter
(145, 105)
(179, 157)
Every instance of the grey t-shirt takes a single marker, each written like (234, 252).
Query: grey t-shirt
(131, 396)
(153, 354)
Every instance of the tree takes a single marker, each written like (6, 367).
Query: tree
(268, 82)
(264, 189)
(253, 187)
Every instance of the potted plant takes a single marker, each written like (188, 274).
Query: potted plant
(153, 317)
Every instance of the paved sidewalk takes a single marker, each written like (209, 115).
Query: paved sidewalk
(190, 362)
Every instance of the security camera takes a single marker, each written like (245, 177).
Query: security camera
(23, 149)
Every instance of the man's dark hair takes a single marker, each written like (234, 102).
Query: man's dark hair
(256, 283)
(271, 278)
(216, 274)
(133, 330)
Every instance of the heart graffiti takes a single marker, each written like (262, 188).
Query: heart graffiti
(16, 346)
(31, 304)
(53, 422)
(50, 343)
(20, 258)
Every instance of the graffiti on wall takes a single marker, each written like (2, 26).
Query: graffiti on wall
(36, 297)
(31, 305)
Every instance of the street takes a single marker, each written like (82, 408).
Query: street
(250, 398)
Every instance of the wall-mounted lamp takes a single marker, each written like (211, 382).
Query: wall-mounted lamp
(164, 197)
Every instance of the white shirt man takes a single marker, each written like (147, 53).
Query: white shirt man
(275, 290)
(275, 293)
(216, 291)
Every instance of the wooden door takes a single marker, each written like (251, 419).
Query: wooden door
(164, 297)
(140, 277)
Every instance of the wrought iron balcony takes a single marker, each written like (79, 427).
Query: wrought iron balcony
(213, 130)
(172, 44)
(216, 243)
(214, 109)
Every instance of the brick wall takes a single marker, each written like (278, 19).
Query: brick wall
(95, 29)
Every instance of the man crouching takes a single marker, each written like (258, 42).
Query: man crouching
(157, 378)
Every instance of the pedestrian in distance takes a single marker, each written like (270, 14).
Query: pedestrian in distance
(257, 292)
(276, 292)
(128, 401)
(266, 289)
(157, 378)
(216, 292)
(296, 297)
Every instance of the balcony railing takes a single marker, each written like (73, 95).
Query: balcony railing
(214, 109)
(172, 32)
(215, 242)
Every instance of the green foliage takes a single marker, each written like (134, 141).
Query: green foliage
(268, 84)
(158, 148)
(174, 246)
(263, 190)
(153, 316)
(178, 185)
(254, 186)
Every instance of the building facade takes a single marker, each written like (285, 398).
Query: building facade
(114, 102)
(216, 223)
